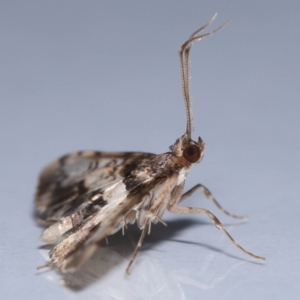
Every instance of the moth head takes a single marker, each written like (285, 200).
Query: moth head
(189, 150)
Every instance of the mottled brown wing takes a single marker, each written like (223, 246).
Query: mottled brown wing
(75, 244)
(71, 180)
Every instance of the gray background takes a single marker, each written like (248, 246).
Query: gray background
(104, 75)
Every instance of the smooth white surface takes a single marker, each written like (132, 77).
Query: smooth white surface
(105, 75)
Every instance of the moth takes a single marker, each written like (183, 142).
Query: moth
(86, 196)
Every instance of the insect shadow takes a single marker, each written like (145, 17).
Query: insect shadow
(119, 248)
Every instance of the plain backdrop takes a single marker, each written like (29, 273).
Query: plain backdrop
(104, 75)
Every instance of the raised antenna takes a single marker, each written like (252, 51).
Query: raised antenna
(184, 52)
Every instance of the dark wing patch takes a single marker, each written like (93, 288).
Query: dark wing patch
(73, 179)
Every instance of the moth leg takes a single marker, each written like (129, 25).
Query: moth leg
(48, 265)
(210, 197)
(216, 222)
(138, 246)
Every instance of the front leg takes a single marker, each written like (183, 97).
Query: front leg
(209, 196)
(214, 219)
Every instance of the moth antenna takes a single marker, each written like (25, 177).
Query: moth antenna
(184, 52)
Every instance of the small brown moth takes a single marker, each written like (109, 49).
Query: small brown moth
(85, 196)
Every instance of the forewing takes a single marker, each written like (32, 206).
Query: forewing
(73, 179)
(79, 243)
(90, 196)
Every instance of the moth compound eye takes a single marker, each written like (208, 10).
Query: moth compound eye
(191, 153)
